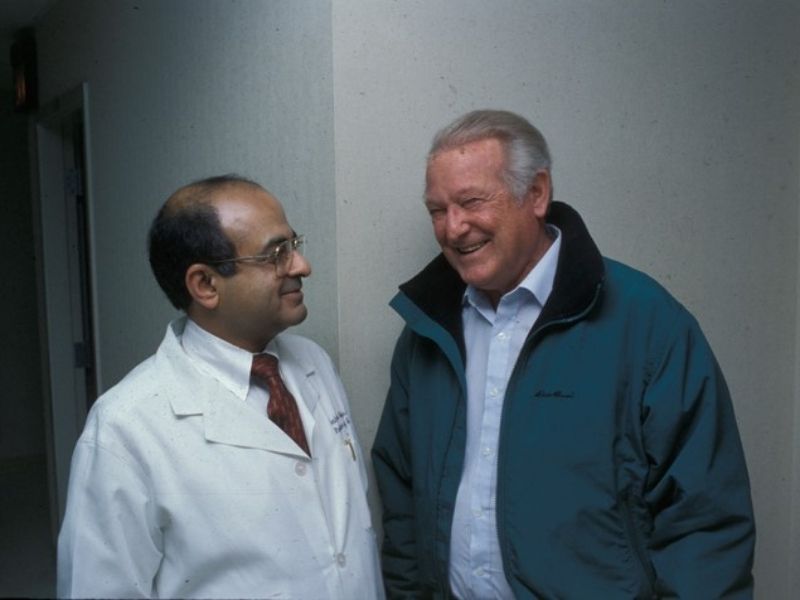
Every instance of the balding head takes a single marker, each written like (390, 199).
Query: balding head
(205, 191)
(187, 230)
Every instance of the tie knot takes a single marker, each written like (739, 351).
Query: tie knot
(265, 366)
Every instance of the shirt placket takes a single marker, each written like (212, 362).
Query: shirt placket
(486, 565)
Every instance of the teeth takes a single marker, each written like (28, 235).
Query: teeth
(473, 248)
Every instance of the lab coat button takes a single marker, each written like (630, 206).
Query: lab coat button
(341, 560)
(300, 468)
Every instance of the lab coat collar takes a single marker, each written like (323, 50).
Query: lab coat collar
(228, 420)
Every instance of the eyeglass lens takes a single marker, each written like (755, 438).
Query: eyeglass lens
(285, 252)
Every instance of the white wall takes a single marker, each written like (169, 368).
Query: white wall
(674, 128)
(181, 90)
(674, 125)
(794, 529)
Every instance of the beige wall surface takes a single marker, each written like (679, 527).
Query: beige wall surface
(675, 130)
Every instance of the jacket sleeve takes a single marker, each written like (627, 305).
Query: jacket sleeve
(393, 472)
(697, 491)
(109, 544)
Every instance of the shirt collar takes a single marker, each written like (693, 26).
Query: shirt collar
(228, 364)
(538, 283)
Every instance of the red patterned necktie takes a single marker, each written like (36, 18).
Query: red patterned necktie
(282, 408)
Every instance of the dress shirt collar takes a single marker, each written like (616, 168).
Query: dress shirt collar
(228, 364)
(538, 283)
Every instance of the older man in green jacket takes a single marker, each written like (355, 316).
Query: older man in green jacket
(557, 425)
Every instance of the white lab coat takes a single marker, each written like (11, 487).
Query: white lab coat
(180, 489)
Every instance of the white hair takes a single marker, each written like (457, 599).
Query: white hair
(525, 147)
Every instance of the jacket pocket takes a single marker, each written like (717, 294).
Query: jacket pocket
(638, 548)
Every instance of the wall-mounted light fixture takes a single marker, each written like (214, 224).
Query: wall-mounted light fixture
(23, 67)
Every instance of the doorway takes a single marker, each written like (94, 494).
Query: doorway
(66, 282)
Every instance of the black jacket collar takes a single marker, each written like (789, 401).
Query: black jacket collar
(438, 290)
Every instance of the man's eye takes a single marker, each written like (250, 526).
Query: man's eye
(279, 252)
(471, 202)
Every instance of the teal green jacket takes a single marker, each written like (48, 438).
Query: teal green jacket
(620, 469)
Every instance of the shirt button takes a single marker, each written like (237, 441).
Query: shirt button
(487, 451)
(493, 393)
(300, 468)
(341, 560)
(479, 572)
(477, 513)
(502, 335)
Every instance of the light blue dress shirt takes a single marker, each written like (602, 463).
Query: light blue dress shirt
(493, 340)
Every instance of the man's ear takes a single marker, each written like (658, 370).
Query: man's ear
(539, 193)
(201, 283)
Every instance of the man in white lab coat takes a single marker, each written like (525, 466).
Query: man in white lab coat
(182, 486)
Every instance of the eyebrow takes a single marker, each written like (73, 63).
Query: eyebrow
(472, 191)
(461, 193)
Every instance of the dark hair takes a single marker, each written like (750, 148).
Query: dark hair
(187, 230)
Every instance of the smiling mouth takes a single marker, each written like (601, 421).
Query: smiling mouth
(472, 248)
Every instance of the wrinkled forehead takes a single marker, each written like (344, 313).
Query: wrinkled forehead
(465, 166)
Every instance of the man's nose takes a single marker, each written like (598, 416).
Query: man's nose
(299, 266)
(455, 224)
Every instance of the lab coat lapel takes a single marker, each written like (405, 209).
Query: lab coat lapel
(227, 419)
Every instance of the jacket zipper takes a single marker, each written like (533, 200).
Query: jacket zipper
(526, 350)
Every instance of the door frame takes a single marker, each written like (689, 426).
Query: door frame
(61, 293)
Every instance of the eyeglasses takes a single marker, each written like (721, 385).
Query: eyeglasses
(280, 256)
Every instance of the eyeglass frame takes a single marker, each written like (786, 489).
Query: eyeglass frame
(293, 244)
